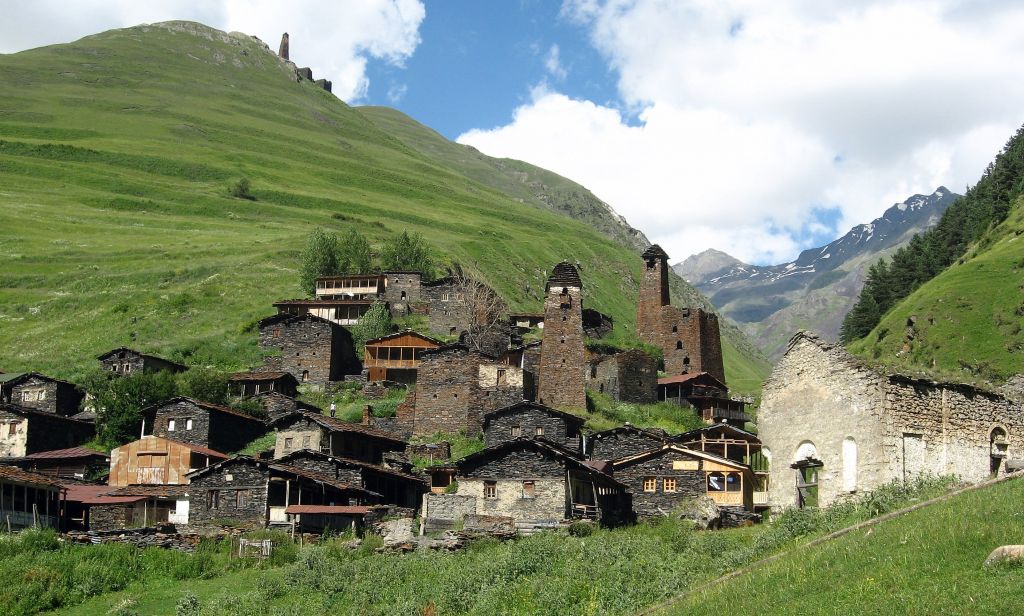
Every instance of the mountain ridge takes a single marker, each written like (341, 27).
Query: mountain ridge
(815, 290)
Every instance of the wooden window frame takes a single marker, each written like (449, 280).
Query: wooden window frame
(529, 489)
(490, 489)
(669, 484)
(650, 484)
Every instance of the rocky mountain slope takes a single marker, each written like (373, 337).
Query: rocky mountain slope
(817, 289)
(117, 153)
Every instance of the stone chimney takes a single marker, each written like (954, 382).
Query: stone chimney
(283, 51)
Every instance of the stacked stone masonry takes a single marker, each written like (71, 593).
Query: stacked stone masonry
(562, 352)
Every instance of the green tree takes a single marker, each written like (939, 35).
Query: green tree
(205, 384)
(408, 253)
(354, 254)
(374, 324)
(319, 258)
(861, 319)
(119, 401)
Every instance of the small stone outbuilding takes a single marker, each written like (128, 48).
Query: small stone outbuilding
(623, 441)
(25, 431)
(628, 376)
(203, 424)
(530, 419)
(42, 393)
(314, 350)
(123, 361)
(300, 430)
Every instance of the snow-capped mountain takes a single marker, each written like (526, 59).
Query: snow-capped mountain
(771, 301)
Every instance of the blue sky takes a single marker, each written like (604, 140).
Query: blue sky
(478, 61)
(757, 128)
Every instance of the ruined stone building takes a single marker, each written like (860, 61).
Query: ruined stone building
(627, 376)
(123, 361)
(315, 351)
(529, 419)
(832, 426)
(456, 386)
(251, 384)
(688, 337)
(42, 393)
(562, 353)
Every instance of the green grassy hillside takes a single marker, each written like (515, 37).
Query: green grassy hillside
(116, 155)
(926, 562)
(967, 323)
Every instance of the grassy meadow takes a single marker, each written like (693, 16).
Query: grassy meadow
(117, 153)
(968, 322)
(607, 571)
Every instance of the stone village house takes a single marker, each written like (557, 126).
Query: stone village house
(624, 441)
(832, 426)
(706, 395)
(28, 499)
(303, 430)
(123, 361)
(251, 384)
(258, 492)
(394, 487)
(42, 393)
(203, 424)
(662, 479)
(627, 376)
(530, 419)
(25, 431)
(531, 481)
(315, 351)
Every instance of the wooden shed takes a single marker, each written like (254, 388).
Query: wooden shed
(153, 460)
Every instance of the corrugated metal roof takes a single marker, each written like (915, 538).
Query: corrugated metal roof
(328, 509)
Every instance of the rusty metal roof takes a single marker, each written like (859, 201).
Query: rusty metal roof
(328, 509)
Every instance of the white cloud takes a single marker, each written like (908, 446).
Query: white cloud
(751, 114)
(553, 64)
(334, 38)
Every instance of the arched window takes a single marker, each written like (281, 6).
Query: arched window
(999, 445)
(679, 344)
(675, 328)
(849, 464)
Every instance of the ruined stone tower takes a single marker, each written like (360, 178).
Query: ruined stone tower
(688, 337)
(283, 50)
(562, 355)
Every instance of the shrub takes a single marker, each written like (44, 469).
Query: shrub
(581, 529)
(242, 189)
(188, 605)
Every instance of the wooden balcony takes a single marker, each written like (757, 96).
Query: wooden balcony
(760, 499)
(728, 499)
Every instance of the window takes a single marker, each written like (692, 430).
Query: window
(679, 344)
(27, 396)
(170, 425)
(538, 431)
(305, 376)
(445, 297)
(305, 441)
(277, 333)
(502, 376)
(669, 484)
(42, 395)
(675, 329)
(188, 424)
(650, 484)
(12, 428)
(716, 482)
(288, 443)
(529, 489)
(516, 431)
(733, 482)
(490, 489)
(213, 499)
(241, 499)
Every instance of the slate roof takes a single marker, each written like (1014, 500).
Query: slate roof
(336, 425)
(328, 509)
(29, 412)
(12, 473)
(261, 376)
(141, 354)
(541, 445)
(565, 274)
(568, 417)
(17, 378)
(326, 456)
(679, 448)
(216, 408)
(97, 495)
(63, 454)
(694, 435)
(285, 468)
(654, 251)
(145, 491)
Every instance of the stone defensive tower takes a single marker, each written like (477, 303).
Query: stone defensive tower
(562, 354)
(283, 50)
(690, 338)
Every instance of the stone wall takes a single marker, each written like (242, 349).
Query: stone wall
(46, 395)
(548, 503)
(445, 511)
(499, 428)
(630, 376)
(449, 314)
(13, 435)
(243, 477)
(562, 354)
(690, 483)
(403, 289)
(350, 474)
(277, 404)
(313, 350)
(301, 433)
(46, 433)
(113, 517)
(523, 463)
